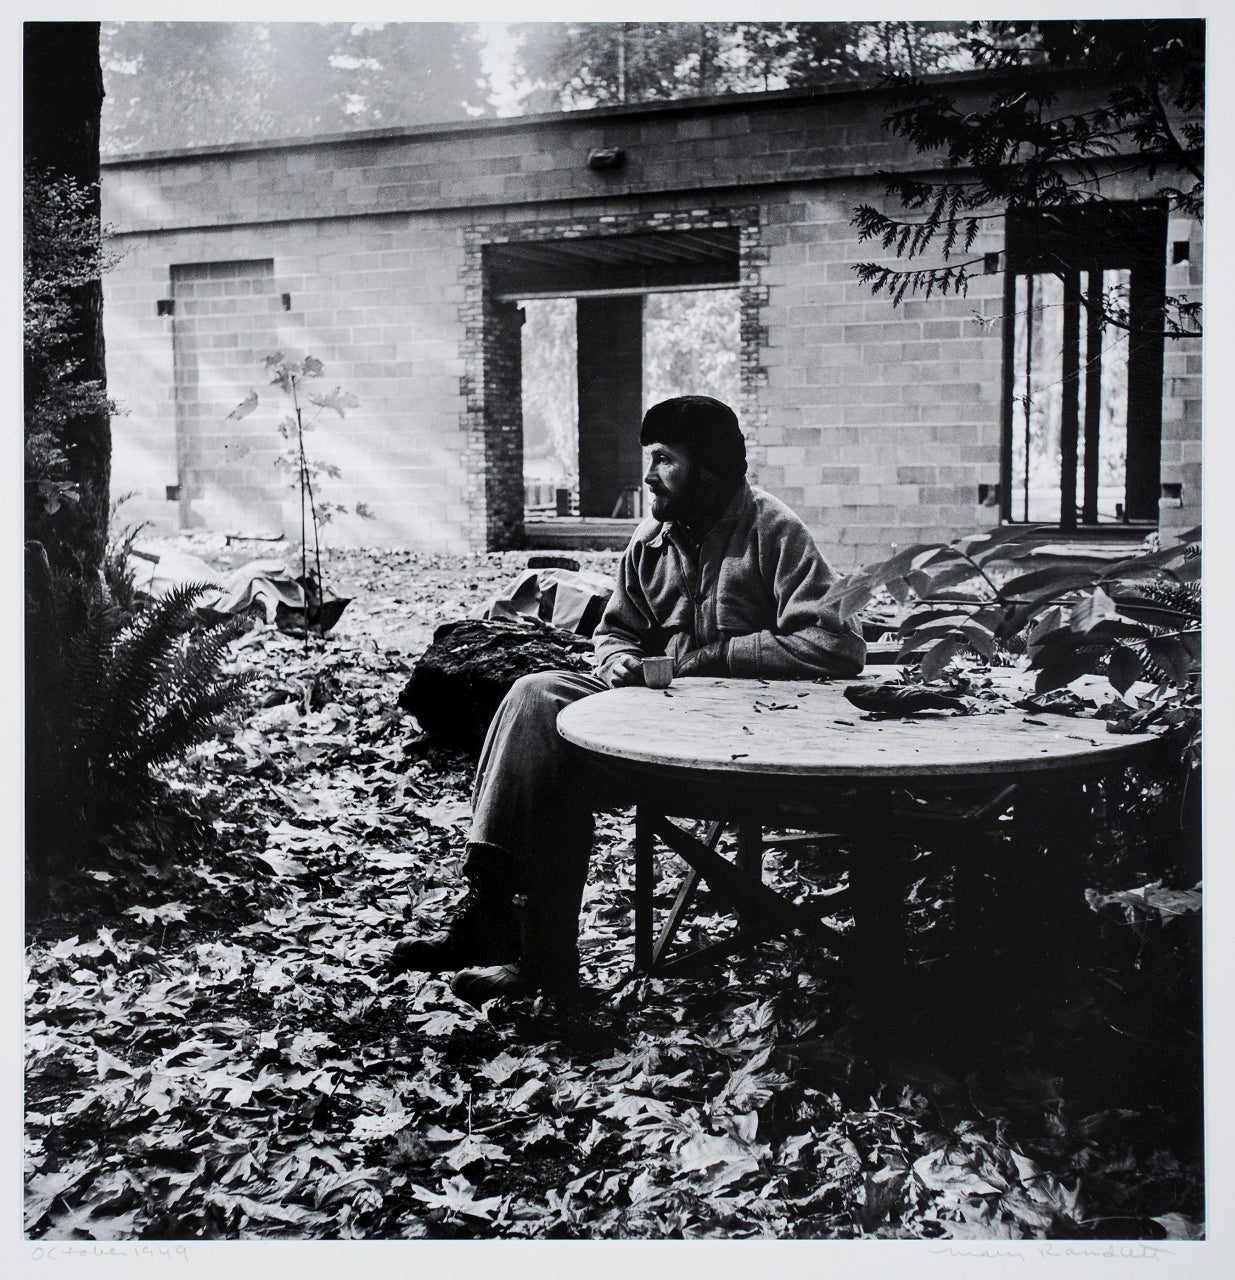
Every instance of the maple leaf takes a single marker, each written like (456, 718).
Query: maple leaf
(163, 1093)
(501, 1068)
(1029, 1215)
(642, 1189)
(338, 400)
(282, 864)
(445, 813)
(472, 1149)
(304, 1047)
(371, 1128)
(441, 1022)
(354, 1186)
(263, 1211)
(540, 1128)
(239, 1092)
(525, 1093)
(950, 1170)
(630, 1106)
(1179, 1226)
(274, 976)
(720, 1159)
(90, 1221)
(165, 914)
(458, 1197)
(43, 1188)
(106, 1064)
(435, 1133)
(245, 407)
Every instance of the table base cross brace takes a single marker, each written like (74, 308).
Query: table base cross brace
(738, 885)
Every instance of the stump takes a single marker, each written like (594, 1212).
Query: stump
(457, 685)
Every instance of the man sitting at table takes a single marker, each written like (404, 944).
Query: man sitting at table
(724, 579)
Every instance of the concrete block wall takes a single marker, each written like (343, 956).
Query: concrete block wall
(882, 421)
(1181, 378)
(877, 424)
(379, 305)
(224, 325)
(750, 140)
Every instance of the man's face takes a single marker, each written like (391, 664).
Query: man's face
(673, 480)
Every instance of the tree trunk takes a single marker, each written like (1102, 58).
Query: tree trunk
(62, 102)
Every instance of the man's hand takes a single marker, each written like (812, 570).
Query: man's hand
(711, 660)
(624, 671)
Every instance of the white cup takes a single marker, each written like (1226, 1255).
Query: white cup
(658, 672)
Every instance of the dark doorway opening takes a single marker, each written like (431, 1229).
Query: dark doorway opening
(609, 325)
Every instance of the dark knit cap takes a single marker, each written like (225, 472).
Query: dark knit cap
(706, 427)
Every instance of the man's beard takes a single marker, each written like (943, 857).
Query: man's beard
(665, 507)
(695, 500)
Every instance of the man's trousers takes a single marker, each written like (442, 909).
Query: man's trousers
(532, 806)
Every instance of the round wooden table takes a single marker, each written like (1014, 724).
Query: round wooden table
(754, 753)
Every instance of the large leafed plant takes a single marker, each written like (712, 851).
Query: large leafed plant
(1133, 619)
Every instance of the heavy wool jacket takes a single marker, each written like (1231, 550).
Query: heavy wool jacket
(756, 584)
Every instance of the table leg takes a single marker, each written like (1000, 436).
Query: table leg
(685, 898)
(749, 858)
(877, 894)
(644, 872)
(1050, 829)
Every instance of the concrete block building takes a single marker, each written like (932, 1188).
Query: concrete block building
(399, 259)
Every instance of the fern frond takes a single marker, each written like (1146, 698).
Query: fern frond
(197, 657)
(1182, 597)
(188, 722)
(153, 690)
(141, 657)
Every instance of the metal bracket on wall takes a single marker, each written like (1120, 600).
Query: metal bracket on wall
(601, 158)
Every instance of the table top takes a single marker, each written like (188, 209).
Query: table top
(804, 730)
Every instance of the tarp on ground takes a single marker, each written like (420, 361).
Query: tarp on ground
(268, 583)
(570, 599)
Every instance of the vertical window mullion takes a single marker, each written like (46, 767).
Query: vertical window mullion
(1007, 450)
(1030, 315)
(1069, 400)
(1093, 395)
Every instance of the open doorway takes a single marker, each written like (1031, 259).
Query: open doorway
(633, 350)
(579, 334)
(550, 409)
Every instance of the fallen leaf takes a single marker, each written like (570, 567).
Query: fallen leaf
(458, 1196)
(1180, 1227)
(445, 813)
(167, 913)
(472, 1149)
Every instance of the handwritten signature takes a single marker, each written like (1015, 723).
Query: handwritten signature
(64, 1252)
(1136, 1251)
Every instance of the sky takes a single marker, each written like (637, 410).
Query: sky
(495, 58)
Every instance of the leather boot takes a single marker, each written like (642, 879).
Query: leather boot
(546, 965)
(483, 930)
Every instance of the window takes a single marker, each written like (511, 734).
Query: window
(1083, 398)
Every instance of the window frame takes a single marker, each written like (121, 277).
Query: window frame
(1095, 237)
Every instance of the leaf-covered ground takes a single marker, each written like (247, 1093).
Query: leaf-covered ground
(212, 1052)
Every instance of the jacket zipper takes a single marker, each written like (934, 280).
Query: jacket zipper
(694, 591)
(691, 593)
